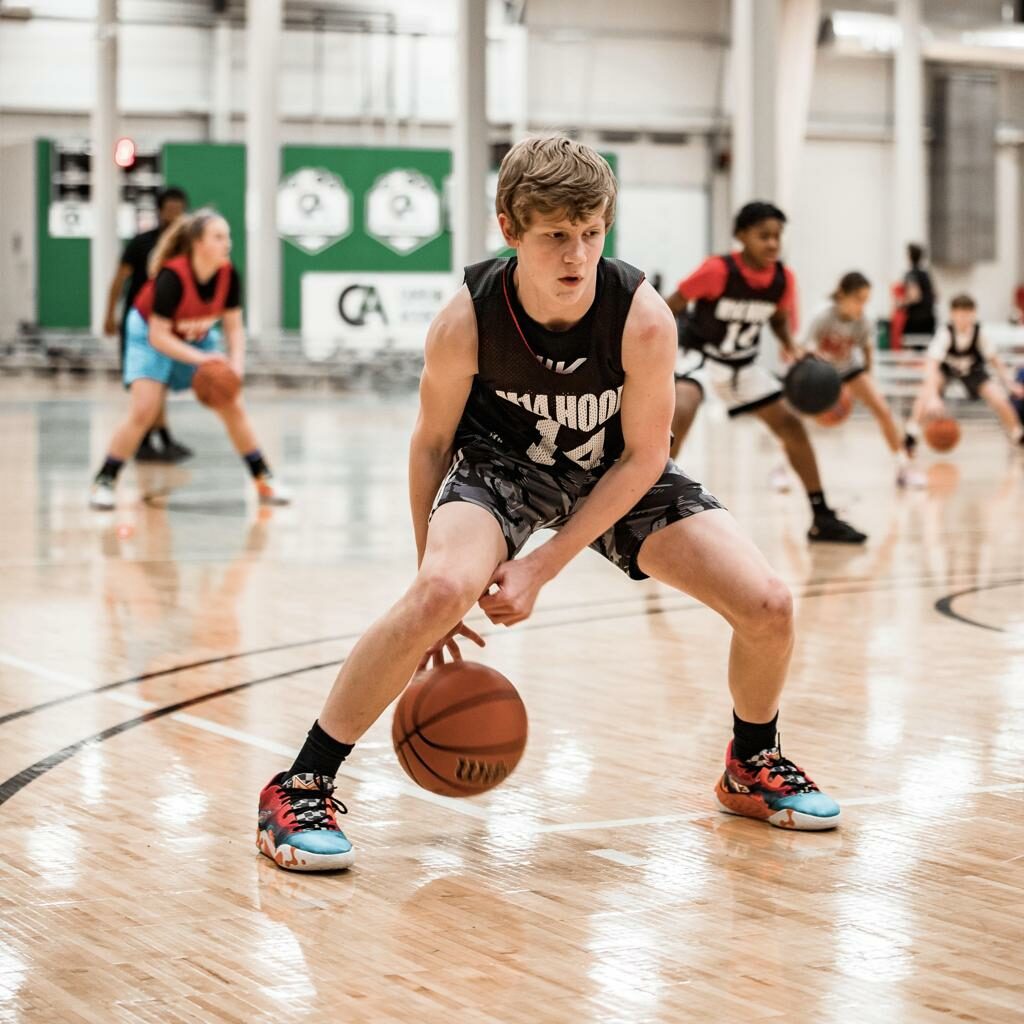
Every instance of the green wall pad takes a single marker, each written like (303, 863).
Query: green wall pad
(62, 264)
(213, 174)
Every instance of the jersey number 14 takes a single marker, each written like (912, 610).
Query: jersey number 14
(586, 456)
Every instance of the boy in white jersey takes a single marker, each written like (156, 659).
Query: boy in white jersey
(962, 352)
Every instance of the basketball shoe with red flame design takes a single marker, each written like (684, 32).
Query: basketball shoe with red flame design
(772, 788)
(298, 828)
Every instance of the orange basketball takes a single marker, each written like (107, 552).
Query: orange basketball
(459, 729)
(942, 433)
(839, 412)
(215, 383)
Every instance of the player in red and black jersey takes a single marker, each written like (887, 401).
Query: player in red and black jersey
(169, 334)
(724, 306)
(546, 402)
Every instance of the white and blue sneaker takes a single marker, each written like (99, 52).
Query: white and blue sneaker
(770, 787)
(298, 828)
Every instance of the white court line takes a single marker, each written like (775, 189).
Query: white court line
(262, 743)
(462, 806)
(618, 857)
(45, 673)
(669, 819)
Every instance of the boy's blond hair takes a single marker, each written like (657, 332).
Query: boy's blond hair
(553, 174)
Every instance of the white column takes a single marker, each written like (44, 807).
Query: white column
(220, 85)
(765, 30)
(798, 46)
(103, 248)
(470, 149)
(911, 199)
(741, 79)
(263, 256)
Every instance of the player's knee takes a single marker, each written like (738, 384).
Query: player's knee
(442, 595)
(770, 610)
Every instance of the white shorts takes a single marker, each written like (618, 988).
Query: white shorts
(742, 388)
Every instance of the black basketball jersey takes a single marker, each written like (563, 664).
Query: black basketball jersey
(728, 329)
(963, 362)
(550, 397)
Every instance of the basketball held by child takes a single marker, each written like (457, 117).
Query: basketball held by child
(942, 433)
(215, 383)
(812, 386)
(839, 413)
(459, 729)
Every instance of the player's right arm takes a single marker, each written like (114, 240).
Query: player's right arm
(123, 272)
(449, 366)
(931, 386)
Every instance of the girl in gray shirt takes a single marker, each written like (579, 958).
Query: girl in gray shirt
(842, 336)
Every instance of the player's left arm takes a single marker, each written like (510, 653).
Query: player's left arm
(865, 342)
(784, 320)
(234, 336)
(648, 399)
(991, 355)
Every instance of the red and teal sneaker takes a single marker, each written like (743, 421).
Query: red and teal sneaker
(298, 829)
(771, 788)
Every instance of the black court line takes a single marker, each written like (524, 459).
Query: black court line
(79, 694)
(18, 782)
(944, 605)
(810, 590)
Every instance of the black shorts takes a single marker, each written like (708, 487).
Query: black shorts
(524, 498)
(972, 382)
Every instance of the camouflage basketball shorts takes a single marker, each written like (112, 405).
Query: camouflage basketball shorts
(523, 498)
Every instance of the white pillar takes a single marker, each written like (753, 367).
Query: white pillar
(263, 162)
(220, 85)
(911, 198)
(753, 77)
(798, 46)
(103, 248)
(470, 149)
(741, 78)
(765, 31)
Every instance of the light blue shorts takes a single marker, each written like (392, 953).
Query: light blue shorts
(141, 360)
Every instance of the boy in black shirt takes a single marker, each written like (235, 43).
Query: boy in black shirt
(133, 270)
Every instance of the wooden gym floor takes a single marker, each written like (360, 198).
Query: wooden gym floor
(159, 663)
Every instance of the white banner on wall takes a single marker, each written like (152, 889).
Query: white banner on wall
(71, 219)
(364, 312)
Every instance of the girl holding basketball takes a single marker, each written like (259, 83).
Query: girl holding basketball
(961, 352)
(171, 331)
(842, 336)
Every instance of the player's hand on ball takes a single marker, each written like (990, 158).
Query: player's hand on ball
(518, 584)
(448, 642)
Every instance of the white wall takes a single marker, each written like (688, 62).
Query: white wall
(840, 221)
(993, 284)
(17, 237)
(597, 65)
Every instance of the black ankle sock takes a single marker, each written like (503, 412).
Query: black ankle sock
(111, 467)
(818, 504)
(164, 435)
(321, 754)
(750, 738)
(254, 460)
